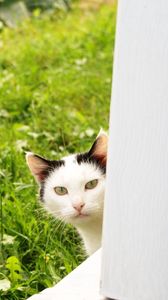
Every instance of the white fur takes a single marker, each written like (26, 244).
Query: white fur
(74, 177)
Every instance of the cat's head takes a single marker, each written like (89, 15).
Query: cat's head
(72, 188)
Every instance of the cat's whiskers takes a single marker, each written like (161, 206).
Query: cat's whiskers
(97, 207)
(61, 216)
(93, 208)
(59, 213)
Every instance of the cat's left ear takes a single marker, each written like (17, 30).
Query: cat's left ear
(99, 148)
(38, 166)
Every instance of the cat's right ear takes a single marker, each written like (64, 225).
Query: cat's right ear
(38, 166)
(99, 148)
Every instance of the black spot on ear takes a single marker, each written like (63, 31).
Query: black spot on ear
(88, 158)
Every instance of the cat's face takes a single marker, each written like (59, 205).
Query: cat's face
(72, 189)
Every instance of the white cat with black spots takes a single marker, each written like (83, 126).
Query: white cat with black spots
(72, 189)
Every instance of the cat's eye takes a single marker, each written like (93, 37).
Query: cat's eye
(60, 190)
(91, 184)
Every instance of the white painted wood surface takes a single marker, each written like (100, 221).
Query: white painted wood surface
(135, 243)
(81, 284)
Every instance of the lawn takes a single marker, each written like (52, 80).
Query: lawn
(55, 86)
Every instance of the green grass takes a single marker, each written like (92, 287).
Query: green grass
(55, 85)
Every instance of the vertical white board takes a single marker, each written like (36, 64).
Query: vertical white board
(135, 241)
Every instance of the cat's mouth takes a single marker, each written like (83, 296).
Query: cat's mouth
(81, 215)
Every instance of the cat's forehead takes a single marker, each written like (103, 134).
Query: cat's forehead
(72, 170)
(74, 167)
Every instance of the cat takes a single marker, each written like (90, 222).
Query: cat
(72, 189)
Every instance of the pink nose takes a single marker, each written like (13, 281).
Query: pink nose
(78, 206)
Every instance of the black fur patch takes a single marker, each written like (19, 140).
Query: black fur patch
(87, 158)
(52, 165)
(55, 164)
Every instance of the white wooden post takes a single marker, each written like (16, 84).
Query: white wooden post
(135, 243)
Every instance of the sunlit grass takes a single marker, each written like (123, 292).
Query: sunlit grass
(55, 85)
